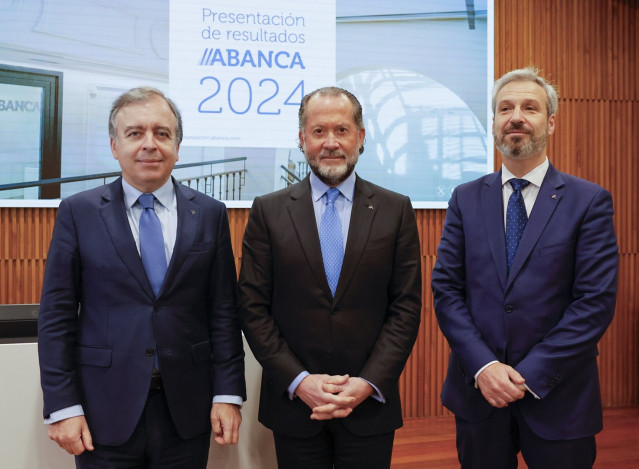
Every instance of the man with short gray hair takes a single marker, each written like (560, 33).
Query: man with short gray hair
(524, 286)
(139, 344)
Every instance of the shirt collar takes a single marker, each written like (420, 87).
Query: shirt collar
(536, 176)
(347, 187)
(164, 194)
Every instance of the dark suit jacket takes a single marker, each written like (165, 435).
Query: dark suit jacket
(293, 323)
(99, 319)
(546, 317)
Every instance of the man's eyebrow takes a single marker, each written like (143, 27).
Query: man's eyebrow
(523, 101)
(163, 127)
(140, 127)
(131, 127)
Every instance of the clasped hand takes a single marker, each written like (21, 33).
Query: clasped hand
(501, 384)
(332, 396)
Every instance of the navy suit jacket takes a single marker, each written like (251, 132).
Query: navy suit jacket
(545, 317)
(293, 323)
(99, 319)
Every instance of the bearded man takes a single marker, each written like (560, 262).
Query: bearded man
(525, 285)
(330, 298)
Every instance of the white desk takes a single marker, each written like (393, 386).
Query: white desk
(23, 438)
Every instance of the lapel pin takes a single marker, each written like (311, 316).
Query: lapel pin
(553, 196)
(370, 207)
(192, 212)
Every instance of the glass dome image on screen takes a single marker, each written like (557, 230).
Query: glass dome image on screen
(421, 138)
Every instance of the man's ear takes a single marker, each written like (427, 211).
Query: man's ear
(551, 124)
(300, 135)
(114, 150)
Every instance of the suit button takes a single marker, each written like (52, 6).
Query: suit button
(509, 308)
(150, 352)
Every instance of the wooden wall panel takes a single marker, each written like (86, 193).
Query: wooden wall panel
(24, 240)
(589, 48)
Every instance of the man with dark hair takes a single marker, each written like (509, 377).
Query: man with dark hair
(525, 286)
(139, 343)
(330, 299)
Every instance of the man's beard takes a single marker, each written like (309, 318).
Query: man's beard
(333, 175)
(517, 150)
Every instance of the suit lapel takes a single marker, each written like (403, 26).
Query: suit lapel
(302, 215)
(363, 213)
(493, 215)
(117, 226)
(188, 219)
(550, 194)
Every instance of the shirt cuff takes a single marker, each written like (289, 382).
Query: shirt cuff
(227, 399)
(482, 369)
(531, 391)
(377, 395)
(63, 414)
(296, 382)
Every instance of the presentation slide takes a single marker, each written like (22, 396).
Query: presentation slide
(422, 69)
(247, 65)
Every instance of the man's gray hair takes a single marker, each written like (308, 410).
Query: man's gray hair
(143, 94)
(528, 74)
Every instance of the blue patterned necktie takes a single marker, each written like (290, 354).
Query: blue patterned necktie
(516, 219)
(151, 243)
(331, 240)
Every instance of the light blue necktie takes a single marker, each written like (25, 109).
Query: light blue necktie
(516, 219)
(151, 243)
(331, 240)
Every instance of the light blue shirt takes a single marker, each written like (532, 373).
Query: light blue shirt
(343, 204)
(344, 207)
(166, 209)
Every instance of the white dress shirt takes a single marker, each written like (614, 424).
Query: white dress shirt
(529, 194)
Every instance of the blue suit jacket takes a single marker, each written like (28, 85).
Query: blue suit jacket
(99, 319)
(544, 318)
